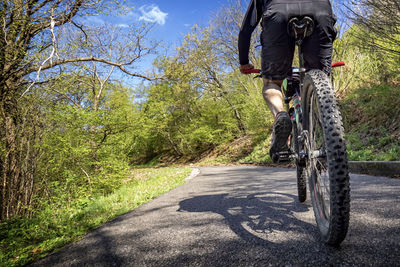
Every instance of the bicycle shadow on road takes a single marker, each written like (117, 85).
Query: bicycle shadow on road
(262, 218)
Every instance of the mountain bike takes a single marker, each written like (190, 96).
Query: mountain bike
(317, 145)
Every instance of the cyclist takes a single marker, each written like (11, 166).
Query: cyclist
(278, 49)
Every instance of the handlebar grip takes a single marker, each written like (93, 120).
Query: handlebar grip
(251, 71)
(338, 64)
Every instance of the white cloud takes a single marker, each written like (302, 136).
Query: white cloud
(131, 15)
(95, 20)
(152, 13)
(123, 25)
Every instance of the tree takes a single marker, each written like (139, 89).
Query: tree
(84, 151)
(224, 31)
(380, 24)
(111, 43)
(198, 52)
(204, 101)
(376, 30)
(225, 27)
(28, 37)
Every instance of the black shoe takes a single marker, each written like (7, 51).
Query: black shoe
(282, 129)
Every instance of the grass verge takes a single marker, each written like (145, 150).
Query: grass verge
(24, 240)
(372, 123)
(252, 148)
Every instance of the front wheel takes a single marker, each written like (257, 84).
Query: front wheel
(327, 166)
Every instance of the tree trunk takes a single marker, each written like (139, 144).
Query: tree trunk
(18, 145)
(174, 146)
(237, 116)
(9, 158)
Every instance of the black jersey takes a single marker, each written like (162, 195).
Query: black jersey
(255, 12)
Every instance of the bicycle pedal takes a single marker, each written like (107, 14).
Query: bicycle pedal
(284, 156)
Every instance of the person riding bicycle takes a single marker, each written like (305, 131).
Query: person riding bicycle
(278, 49)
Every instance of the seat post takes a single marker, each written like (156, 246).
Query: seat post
(300, 54)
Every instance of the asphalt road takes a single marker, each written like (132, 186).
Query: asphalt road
(243, 216)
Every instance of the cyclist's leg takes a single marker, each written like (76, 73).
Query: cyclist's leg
(276, 61)
(273, 96)
(276, 56)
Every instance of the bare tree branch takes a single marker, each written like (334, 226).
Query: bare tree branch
(83, 59)
(61, 19)
(379, 23)
(50, 58)
(80, 28)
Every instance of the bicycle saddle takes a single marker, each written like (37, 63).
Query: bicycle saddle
(300, 28)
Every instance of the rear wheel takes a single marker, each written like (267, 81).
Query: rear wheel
(327, 166)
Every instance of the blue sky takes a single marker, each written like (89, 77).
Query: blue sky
(180, 16)
(172, 18)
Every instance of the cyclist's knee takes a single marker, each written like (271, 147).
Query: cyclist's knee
(272, 84)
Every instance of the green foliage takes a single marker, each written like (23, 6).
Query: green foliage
(364, 65)
(375, 106)
(379, 148)
(202, 105)
(260, 151)
(368, 89)
(84, 149)
(372, 123)
(378, 25)
(24, 240)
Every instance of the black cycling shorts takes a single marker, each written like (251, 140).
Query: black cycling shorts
(278, 46)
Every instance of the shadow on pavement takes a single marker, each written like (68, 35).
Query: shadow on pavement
(256, 218)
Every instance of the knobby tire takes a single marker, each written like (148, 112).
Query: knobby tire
(327, 173)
